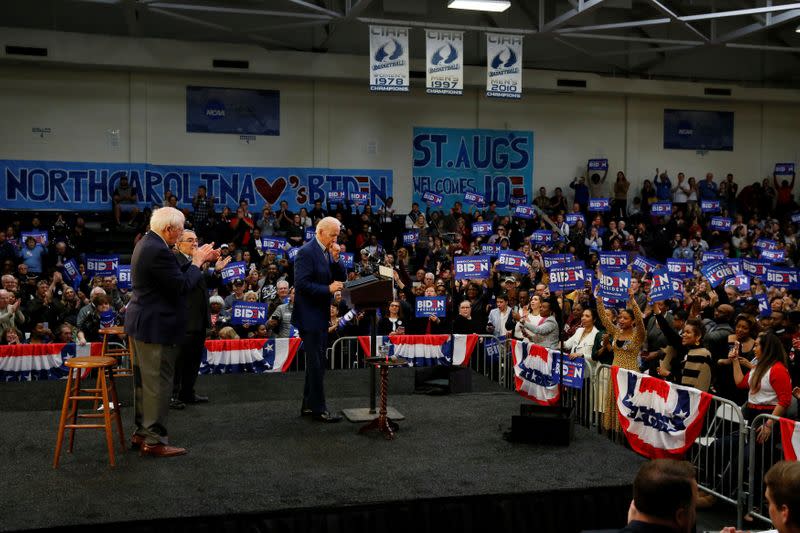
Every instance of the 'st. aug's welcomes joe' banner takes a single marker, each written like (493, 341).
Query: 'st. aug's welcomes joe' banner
(89, 186)
(496, 164)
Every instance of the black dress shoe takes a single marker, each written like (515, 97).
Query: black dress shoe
(327, 417)
(176, 404)
(197, 398)
(305, 411)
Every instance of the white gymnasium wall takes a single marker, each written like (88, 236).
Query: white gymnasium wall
(341, 125)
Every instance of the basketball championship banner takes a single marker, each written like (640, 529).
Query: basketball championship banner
(503, 65)
(388, 53)
(444, 63)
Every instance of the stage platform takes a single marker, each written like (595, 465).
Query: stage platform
(255, 465)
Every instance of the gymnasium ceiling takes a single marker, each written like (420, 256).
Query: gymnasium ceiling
(753, 43)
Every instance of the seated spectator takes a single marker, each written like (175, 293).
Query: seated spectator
(10, 314)
(10, 337)
(237, 294)
(101, 315)
(228, 333)
(66, 333)
(41, 334)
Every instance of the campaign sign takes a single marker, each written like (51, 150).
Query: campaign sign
(431, 198)
(291, 253)
(491, 348)
(598, 164)
(735, 264)
(773, 256)
(431, 306)
(273, 243)
(359, 198)
(599, 205)
(570, 371)
(567, 277)
(677, 287)
(234, 271)
(720, 224)
(643, 264)
(680, 268)
(716, 272)
(335, 197)
(523, 211)
(71, 270)
(481, 229)
(764, 309)
(248, 313)
(782, 277)
(518, 200)
(411, 237)
(473, 198)
(740, 281)
(107, 318)
(784, 169)
(310, 234)
(613, 260)
(661, 208)
(661, 286)
(508, 261)
(472, 267)
(573, 218)
(492, 250)
(766, 244)
(41, 237)
(542, 237)
(124, 277)
(552, 259)
(709, 206)
(713, 255)
(755, 268)
(100, 265)
(346, 259)
(614, 285)
(796, 218)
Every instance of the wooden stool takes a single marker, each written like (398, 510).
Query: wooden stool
(104, 392)
(122, 368)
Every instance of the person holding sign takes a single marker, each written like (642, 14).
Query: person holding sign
(318, 274)
(156, 321)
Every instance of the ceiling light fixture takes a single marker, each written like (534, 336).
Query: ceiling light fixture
(797, 29)
(496, 6)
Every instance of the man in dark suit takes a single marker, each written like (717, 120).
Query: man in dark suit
(317, 275)
(198, 322)
(156, 321)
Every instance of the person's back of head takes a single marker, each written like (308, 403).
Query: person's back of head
(783, 495)
(665, 492)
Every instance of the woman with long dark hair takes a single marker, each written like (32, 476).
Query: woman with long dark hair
(687, 362)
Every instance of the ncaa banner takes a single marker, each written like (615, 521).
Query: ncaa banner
(661, 420)
(495, 164)
(472, 267)
(444, 62)
(388, 52)
(77, 186)
(503, 65)
(534, 376)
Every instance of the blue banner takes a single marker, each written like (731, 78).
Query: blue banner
(359, 198)
(248, 313)
(524, 211)
(765, 244)
(89, 186)
(310, 233)
(481, 229)
(472, 267)
(431, 306)
(473, 198)
(735, 264)
(796, 218)
(275, 244)
(41, 237)
(492, 250)
(124, 277)
(347, 259)
(567, 277)
(107, 318)
(598, 164)
(643, 264)
(518, 200)
(709, 206)
(614, 285)
(573, 218)
(570, 371)
(71, 271)
(680, 268)
(755, 268)
(549, 260)
(661, 209)
(782, 277)
(720, 224)
(740, 281)
(431, 198)
(773, 256)
(234, 271)
(661, 286)
(102, 265)
(491, 348)
(599, 205)
(784, 169)
(291, 253)
(713, 255)
(716, 272)
(542, 237)
(764, 309)
(336, 197)
(613, 260)
(410, 237)
(497, 164)
(236, 111)
(510, 261)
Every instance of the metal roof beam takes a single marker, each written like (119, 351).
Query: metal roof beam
(238, 11)
(315, 7)
(739, 12)
(625, 38)
(674, 17)
(615, 25)
(437, 25)
(584, 6)
(756, 27)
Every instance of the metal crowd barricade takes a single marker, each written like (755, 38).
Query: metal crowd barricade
(583, 399)
(760, 458)
(490, 365)
(345, 353)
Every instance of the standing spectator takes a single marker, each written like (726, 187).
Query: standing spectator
(680, 192)
(581, 193)
(619, 208)
(203, 208)
(124, 199)
(784, 198)
(242, 225)
(597, 184)
(663, 186)
(33, 255)
(284, 218)
(728, 190)
(707, 189)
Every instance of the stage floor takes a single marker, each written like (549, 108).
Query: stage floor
(252, 455)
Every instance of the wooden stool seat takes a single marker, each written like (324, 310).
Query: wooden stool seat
(113, 330)
(104, 394)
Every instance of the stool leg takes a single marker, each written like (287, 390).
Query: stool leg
(63, 419)
(76, 391)
(117, 414)
(107, 415)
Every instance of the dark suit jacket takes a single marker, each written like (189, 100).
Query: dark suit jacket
(157, 310)
(312, 276)
(199, 312)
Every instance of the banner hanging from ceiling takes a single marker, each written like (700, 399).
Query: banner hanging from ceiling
(444, 52)
(388, 53)
(503, 65)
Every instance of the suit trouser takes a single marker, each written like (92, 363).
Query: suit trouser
(188, 365)
(315, 343)
(153, 370)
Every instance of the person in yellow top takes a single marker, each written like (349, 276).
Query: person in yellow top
(627, 339)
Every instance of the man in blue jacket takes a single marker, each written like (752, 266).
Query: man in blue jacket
(156, 320)
(317, 275)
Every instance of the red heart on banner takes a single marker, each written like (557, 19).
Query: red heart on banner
(270, 191)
